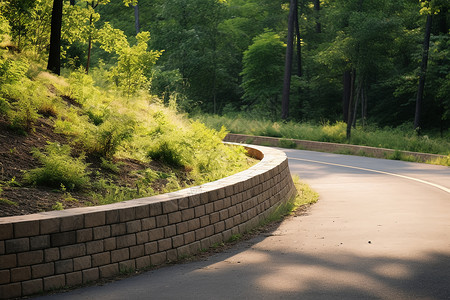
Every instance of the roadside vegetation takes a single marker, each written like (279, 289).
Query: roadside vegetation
(399, 138)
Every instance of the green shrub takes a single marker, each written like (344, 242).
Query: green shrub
(284, 143)
(4, 106)
(59, 168)
(169, 152)
(26, 98)
(112, 133)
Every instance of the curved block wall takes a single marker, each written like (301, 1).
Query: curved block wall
(49, 250)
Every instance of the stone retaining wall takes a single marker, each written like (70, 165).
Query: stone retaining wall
(50, 250)
(328, 147)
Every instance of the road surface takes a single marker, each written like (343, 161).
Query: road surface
(381, 230)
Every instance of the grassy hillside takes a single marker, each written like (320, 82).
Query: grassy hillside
(68, 142)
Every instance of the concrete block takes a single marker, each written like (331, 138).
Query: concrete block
(94, 219)
(148, 223)
(126, 240)
(136, 251)
(43, 270)
(5, 276)
(84, 235)
(101, 259)
(82, 263)
(158, 258)
(162, 220)
(143, 262)
(133, 226)
(63, 266)
(20, 274)
(155, 234)
(155, 209)
(74, 278)
(17, 245)
(109, 244)
(118, 229)
(127, 214)
(150, 248)
(10, 291)
(120, 255)
(72, 251)
(94, 247)
(51, 254)
(30, 258)
(102, 232)
(39, 242)
(109, 270)
(63, 238)
(26, 228)
(90, 275)
(31, 287)
(70, 223)
(54, 282)
(164, 244)
(174, 217)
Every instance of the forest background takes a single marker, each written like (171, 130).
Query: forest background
(228, 56)
(362, 62)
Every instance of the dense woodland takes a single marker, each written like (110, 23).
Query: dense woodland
(359, 61)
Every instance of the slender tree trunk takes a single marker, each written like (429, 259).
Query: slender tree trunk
(357, 100)
(88, 62)
(346, 95)
(363, 106)
(288, 63)
(298, 40)
(349, 113)
(136, 18)
(54, 57)
(423, 70)
(317, 11)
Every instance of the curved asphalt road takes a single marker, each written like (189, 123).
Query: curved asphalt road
(372, 235)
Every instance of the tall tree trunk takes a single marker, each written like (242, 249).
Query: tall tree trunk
(299, 58)
(349, 113)
(346, 94)
(357, 100)
(88, 62)
(317, 10)
(423, 70)
(288, 62)
(363, 106)
(298, 40)
(54, 56)
(136, 18)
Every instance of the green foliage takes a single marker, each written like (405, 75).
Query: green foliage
(25, 97)
(109, 165)
(133, 70)
(112, 133)
(4, 106)
(12, 70)
(262, 71)
(285, 143)
(8, 202)
(80, 86)
(59, 168)
(399, 138)
(58, 206)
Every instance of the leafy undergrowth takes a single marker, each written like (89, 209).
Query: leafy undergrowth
(66, 142)
(401, 138)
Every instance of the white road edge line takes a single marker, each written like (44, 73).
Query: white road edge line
(375, 171)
